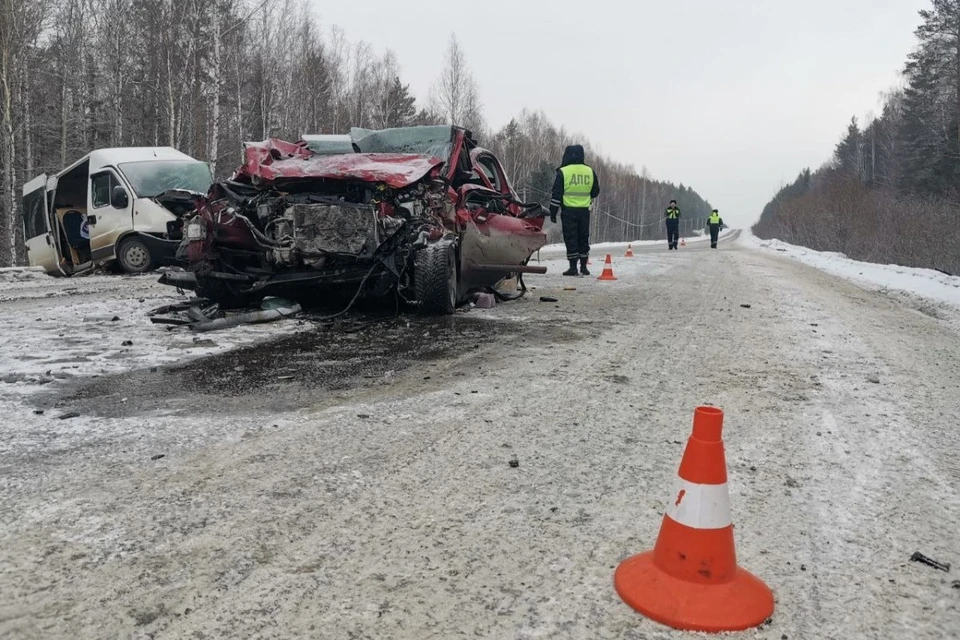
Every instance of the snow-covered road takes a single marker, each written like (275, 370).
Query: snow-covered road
(377, 500)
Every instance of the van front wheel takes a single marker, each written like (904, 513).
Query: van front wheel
(134, 256)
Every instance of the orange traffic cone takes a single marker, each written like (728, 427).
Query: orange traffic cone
(629, 251)
(683, 242)
(691, 580)
(607, 270)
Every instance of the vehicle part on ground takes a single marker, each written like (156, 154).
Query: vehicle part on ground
(253, 317)
(485, 301)
(930, 562)
(510, 297)
(184, 280)
(422, 213)
(203, 315)
(134, 256)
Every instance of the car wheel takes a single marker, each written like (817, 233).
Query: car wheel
(224, 293)
(435, 279)
(134, 256)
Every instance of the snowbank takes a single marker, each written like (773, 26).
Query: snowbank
(925, 283)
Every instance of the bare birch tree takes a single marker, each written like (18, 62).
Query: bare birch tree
(20, 26)
(455, 95)
(206, 75)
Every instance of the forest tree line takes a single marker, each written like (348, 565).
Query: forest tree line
(204, 76)
(891, 192)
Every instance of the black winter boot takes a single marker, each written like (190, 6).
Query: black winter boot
(583, 267)
(572, 271)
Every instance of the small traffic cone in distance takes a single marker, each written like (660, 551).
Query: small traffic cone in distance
(691, 580)
(629, 253)
(607, 270)
(683, 242)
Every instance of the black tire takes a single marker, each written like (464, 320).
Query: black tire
(134, 256)
(436, 285)
(224, 293)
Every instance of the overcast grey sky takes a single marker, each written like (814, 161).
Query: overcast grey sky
(732, 97)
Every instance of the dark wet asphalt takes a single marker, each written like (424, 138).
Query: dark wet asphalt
(301, 369)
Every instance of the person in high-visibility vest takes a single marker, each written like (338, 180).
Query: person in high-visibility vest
(715, 222)
(672, 216)
(574, 189)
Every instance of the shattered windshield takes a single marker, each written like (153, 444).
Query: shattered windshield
(434, 141)
(326, 145)
(151, 178)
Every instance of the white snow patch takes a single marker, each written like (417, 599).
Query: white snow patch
(62, 328)
(925, 283)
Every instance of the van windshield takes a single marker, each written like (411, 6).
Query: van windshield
(151, 178)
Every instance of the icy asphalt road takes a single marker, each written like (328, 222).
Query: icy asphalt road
(315, 488)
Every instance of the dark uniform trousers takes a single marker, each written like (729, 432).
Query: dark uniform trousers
(576, 232)
(673, 231)
(714, 234)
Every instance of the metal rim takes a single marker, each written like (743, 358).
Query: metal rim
(136, 256)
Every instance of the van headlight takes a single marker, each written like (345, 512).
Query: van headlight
(196, 231)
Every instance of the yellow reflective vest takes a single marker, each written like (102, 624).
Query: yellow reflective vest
(673, 213)
(577, 186)
(714, 218)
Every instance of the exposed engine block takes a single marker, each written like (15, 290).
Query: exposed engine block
(312, 233)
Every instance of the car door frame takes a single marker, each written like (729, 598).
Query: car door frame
(479, 154)
(482, 154)
(43, 249)
(111, 223)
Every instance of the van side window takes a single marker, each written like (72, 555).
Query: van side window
(34, 223)
(101, 185)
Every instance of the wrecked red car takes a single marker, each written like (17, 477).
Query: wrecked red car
(418, 212)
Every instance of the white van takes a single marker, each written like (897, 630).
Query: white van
(120, 205)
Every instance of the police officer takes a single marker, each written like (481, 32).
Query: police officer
(715, 222)
(574, 189)
(672, 215)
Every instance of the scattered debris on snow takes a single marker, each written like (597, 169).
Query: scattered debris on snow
(485, 301)
(919, 557)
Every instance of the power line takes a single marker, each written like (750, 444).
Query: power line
(608, 214)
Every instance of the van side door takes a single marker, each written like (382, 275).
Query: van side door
(40, 242)
(109, 213)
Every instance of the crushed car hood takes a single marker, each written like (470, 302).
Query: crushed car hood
(274, 160)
